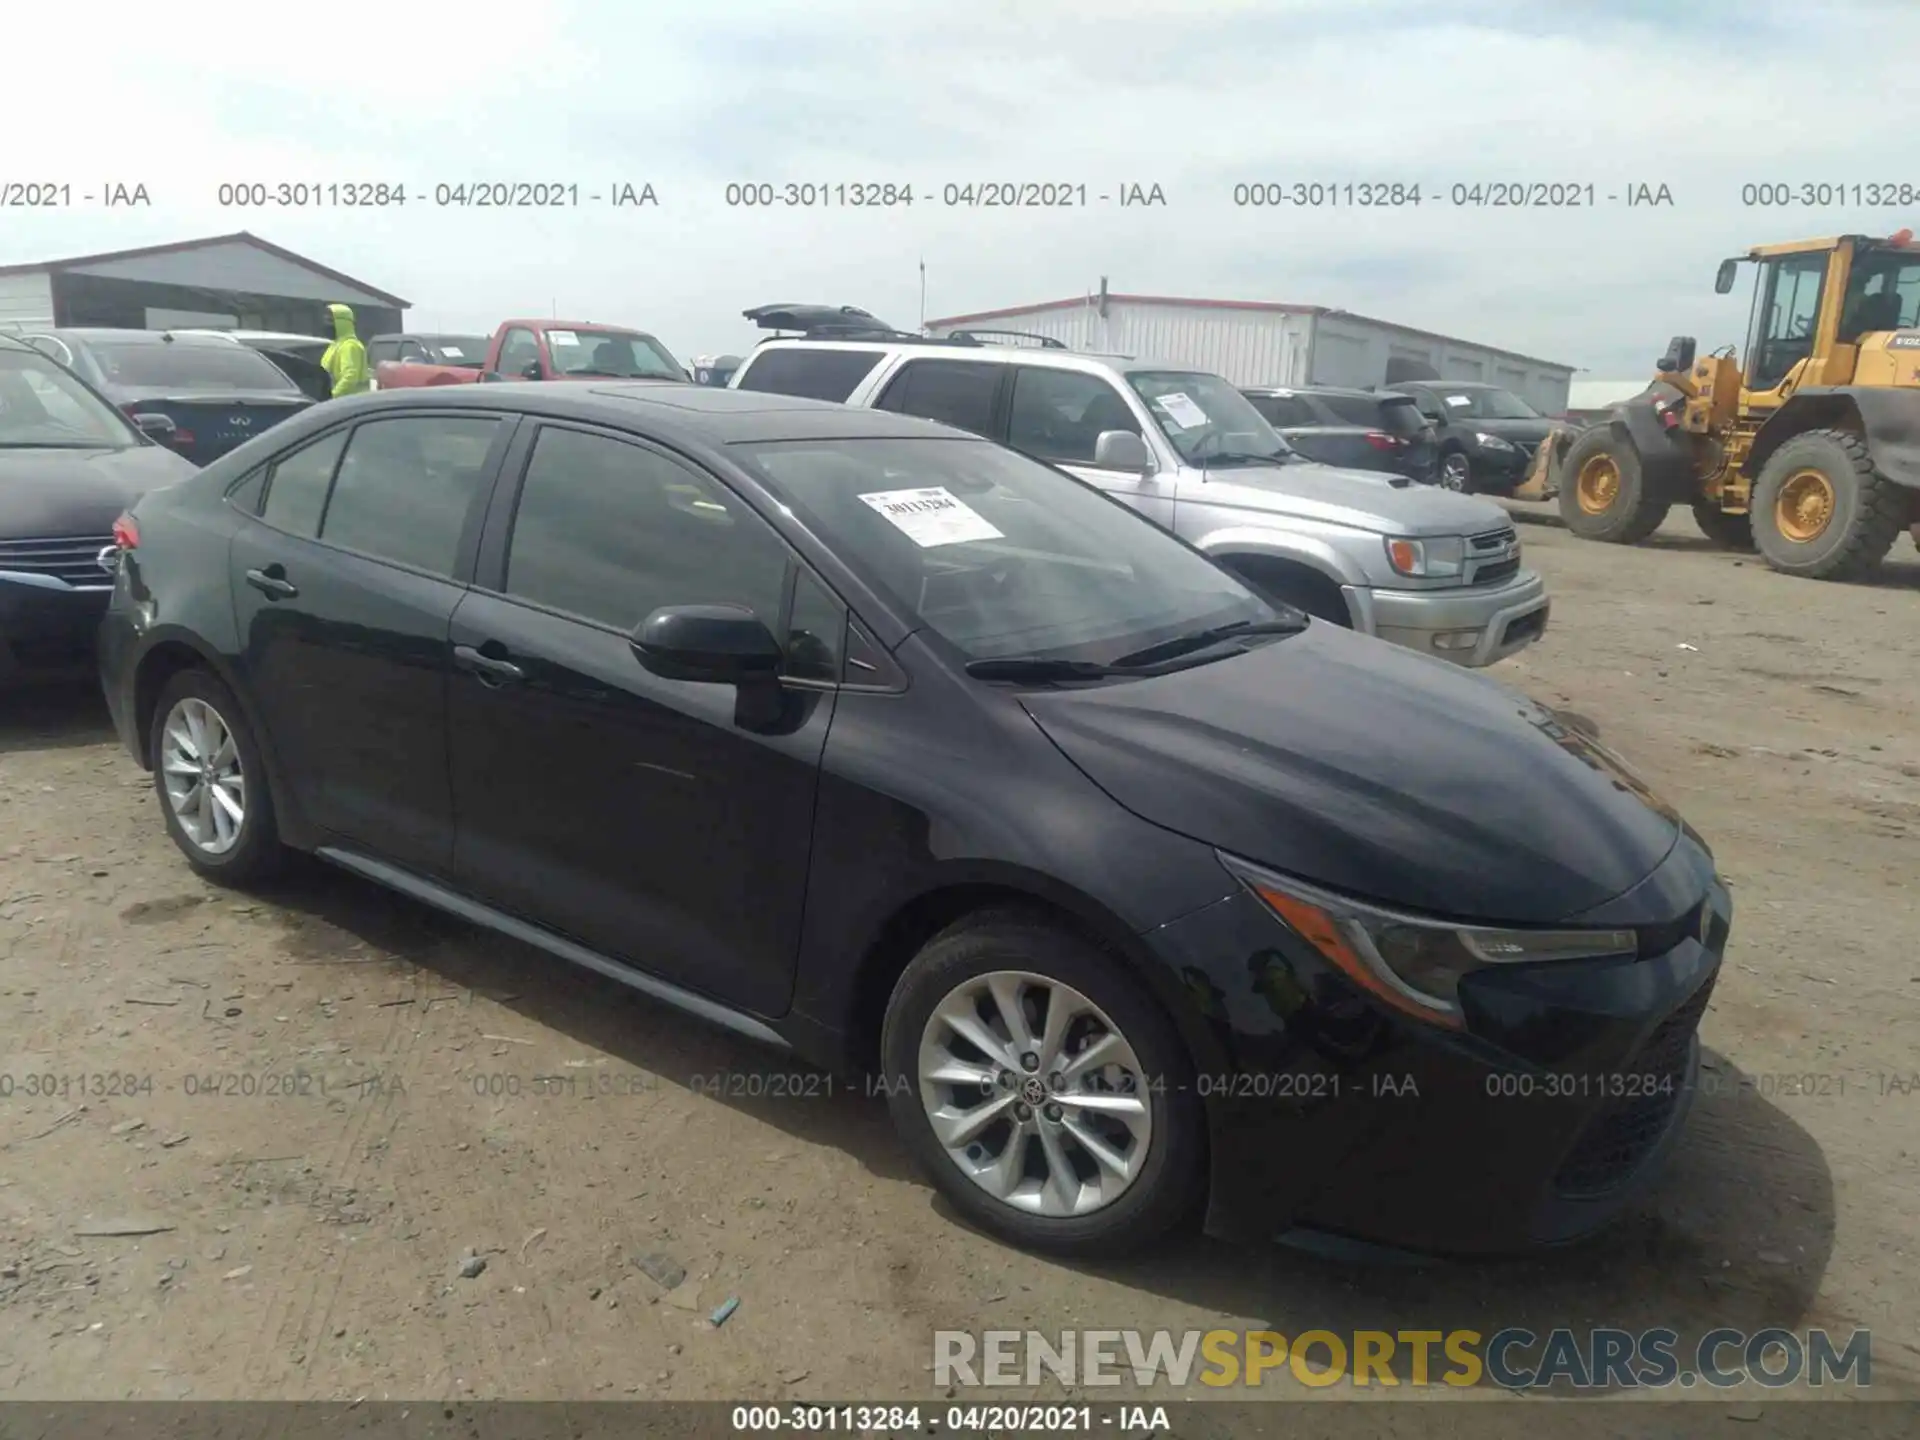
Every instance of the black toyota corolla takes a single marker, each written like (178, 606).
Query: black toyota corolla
(876, 741)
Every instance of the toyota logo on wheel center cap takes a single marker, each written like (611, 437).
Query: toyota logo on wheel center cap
(1033, 1090)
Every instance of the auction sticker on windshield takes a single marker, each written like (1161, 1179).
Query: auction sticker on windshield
(1179, 408)
(932, 517)
(1459, 399)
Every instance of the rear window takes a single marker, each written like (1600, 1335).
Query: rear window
(809, 374)
(184, 366)
(1282, 411)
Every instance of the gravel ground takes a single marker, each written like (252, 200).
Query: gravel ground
(329, 1105)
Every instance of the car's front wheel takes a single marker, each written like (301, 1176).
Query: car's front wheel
(1456, 472)
(210, 781)
(1042, 1089)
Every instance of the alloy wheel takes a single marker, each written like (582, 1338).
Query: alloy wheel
(200, 770)
(1035, 1094)
(1453, 472)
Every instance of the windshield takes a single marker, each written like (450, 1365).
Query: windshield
(41, 405)
(187, 366)
(620, 354)
(1491, 403)
(1205, 418)
(998, 554)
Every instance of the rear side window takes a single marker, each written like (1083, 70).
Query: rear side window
(809, 374)
(297, 486)
(185, 366)
(954, 392)
(405, 487)
(1280, 411)
(1353, 409)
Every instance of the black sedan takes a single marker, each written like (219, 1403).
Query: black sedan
(1352, 429)
(199, 394)
(874, 740)
(1486, 434)
(69, 464)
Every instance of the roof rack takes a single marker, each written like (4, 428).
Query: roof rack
(850, 322)
(1001, 337)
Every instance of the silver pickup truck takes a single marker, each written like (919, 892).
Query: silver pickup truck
(1437, 571)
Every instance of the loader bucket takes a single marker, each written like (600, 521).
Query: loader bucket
(1543, 480)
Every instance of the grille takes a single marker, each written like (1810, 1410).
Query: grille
(1619, 1137)
(1496, 572)
(68, 558)
(1491, 540)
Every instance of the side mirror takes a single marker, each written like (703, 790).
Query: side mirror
(1122, 450)
(155, 426)
(1679, 355)
(715, 644)
(1725, 276)
(531, 370)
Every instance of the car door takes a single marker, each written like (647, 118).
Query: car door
(344, 584)
(1058, 416)
(966, 394)
(654, 820)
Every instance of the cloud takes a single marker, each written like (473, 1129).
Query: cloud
(1196, 98)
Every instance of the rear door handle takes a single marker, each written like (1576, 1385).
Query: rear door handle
(274, 587)
(486, 666)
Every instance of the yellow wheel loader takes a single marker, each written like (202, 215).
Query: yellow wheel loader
(1809, 453)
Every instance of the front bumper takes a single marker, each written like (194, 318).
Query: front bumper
(1487, 623)
(1499, 471)
(46, 628)
(1540, 1125)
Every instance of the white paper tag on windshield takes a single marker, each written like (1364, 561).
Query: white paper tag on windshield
(562, 337)
(1459, 399)
(932, 517)
(1179, 408)
(454, 350)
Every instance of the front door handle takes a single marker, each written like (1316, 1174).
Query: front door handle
(486, 666)
(272, 583)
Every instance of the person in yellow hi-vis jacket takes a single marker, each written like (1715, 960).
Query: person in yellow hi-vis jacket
(345, 360)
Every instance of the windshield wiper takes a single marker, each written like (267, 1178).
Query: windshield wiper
(57, 445)
(1200, 639)
(1038, 667)
(1247, 457)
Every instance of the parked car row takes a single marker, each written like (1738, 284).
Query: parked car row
(883, 742)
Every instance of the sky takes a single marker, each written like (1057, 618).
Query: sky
(1705, 98)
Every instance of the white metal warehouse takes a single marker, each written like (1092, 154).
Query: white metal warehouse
(1257, 342)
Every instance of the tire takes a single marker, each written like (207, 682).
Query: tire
(1620, 510)
(1166, 1182)
(1821, 511)
(1730, 532)
(252, 851)
(1455, 472)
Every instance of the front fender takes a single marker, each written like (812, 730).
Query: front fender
(1666, 461)
(1316, 554)
(1888, 418)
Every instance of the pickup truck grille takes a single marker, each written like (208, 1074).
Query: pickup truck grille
(66, 558)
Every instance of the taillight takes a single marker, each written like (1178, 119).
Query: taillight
(126, 534)
(1382, 441)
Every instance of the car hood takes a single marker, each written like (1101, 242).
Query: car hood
(1532, 431)
(78, 492)
(1370, 769)
(1364, 499)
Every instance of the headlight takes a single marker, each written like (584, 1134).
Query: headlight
(1410, 962)
(1427, 559)
(1493, 442)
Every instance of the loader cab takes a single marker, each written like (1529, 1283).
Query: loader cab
(1785, 327)
(1813, 304)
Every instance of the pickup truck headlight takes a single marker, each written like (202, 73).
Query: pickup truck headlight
(1428, 559)
(1410, 962)
(1492, 442)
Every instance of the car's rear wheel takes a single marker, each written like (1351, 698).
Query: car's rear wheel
(210, 781)
(1044, 1092)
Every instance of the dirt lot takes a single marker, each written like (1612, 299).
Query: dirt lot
(321, 1099)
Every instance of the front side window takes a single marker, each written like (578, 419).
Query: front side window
(518, 350)
(405, 487)
(297, 486)
(1206, 419)
(998, 555)
(1059, 415)
(43, 407)
(959, 393)
(612, 532)
(809, 374)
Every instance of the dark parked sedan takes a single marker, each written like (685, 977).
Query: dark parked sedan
(69, 464)
(1352, 429)
(1486, 435)
(198, 394)
(872, 739)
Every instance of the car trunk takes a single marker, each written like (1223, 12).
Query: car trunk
(206, 425)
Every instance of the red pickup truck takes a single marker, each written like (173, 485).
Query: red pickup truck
(547, 350)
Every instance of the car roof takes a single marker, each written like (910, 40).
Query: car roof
(1352, 392)
(85, 333)
(1085, 361)
(671, 409)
